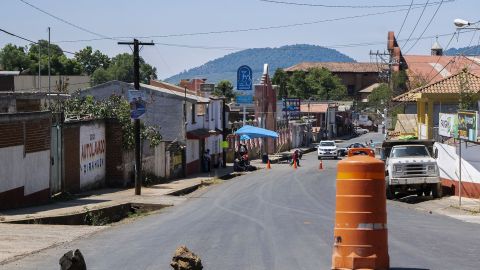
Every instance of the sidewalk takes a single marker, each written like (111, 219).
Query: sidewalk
(448, 206)
(19, 240)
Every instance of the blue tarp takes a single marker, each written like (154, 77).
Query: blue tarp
(250, 132)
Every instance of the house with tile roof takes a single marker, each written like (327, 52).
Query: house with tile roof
(439, 97)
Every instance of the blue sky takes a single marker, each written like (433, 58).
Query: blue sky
(121, 18)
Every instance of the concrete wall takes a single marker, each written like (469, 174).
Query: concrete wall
(25, 159)
(448, 163)
(30, 82)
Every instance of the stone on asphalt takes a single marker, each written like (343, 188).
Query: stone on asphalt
(184, 259)
(72, 260)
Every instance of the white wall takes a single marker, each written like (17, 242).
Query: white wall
(448, 162)
(31, 171)
(92, 154)
(193, 147)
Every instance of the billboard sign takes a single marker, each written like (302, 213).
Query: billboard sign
(246, 99)
(137, 103)
(244, 78)
(447, 125)
(207, 87)
(467, 125)
(292, 108)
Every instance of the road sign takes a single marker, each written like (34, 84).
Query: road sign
(137, 103)
(207, 87)
(244, 78)
(245, 99)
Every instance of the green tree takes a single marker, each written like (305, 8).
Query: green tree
(100, 75)
(14, 57)
(324, 85)
(280, 78)
(296, 85)
(121, 68)
(115, 107)
(59, 63)
(92, 60)
(467, 97)
(226, 87)
(380, 97)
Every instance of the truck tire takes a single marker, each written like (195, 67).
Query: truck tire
(437, 191)
(427, 191)
(390, 192)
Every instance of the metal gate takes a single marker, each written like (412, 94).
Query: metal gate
(56, 159)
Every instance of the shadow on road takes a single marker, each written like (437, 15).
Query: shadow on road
(413, 199)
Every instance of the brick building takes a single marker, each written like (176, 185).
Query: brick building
(355, 76)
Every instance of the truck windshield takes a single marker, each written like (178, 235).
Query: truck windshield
(327, 144)
(409, 151)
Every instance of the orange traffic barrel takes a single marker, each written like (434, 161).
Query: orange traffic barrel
(360, 234)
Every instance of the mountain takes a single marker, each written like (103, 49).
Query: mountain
(225, 68)
(472, 50)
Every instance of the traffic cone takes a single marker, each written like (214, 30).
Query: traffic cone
(268, 164)
(295, 164)
(320, 167)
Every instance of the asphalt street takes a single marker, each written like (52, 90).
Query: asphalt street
(270, 219)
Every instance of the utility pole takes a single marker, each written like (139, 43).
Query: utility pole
(460, 172)
(136, 83)
(224, 126)
(49, 89)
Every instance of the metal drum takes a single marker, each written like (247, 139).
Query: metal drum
(360, 234)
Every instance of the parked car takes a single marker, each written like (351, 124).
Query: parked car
(360, 131)
(327, 149)
(344, 151)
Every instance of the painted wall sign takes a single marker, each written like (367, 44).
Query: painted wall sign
(244, 78)
(92, 153)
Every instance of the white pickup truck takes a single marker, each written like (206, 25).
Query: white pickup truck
(410, 168)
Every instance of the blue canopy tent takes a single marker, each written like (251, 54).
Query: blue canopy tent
(250, 132)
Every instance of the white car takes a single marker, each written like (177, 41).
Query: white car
(327, 149)
(361, 131)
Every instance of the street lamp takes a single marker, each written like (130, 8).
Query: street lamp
(460, 23)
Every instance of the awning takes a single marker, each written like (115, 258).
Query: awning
(250, 132)
(201, 133)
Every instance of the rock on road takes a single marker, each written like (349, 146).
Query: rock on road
(270, 219)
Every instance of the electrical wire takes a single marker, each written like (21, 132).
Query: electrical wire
(65, 21)
(250, 29)
(405, 19)
(342, 6)
(29, 40)
(426, 27)
(416, 24)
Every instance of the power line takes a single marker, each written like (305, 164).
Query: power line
(252, 29)
(416, 24)
(405, 19)
(343, 6)
(29, 40)
(426, 27)
(65, 21)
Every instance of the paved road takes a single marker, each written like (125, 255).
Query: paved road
(271, 219)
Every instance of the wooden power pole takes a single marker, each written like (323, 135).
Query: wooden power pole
(136, 82)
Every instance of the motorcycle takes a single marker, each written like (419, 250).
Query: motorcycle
(242, 164)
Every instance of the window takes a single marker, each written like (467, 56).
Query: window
(194, 115)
